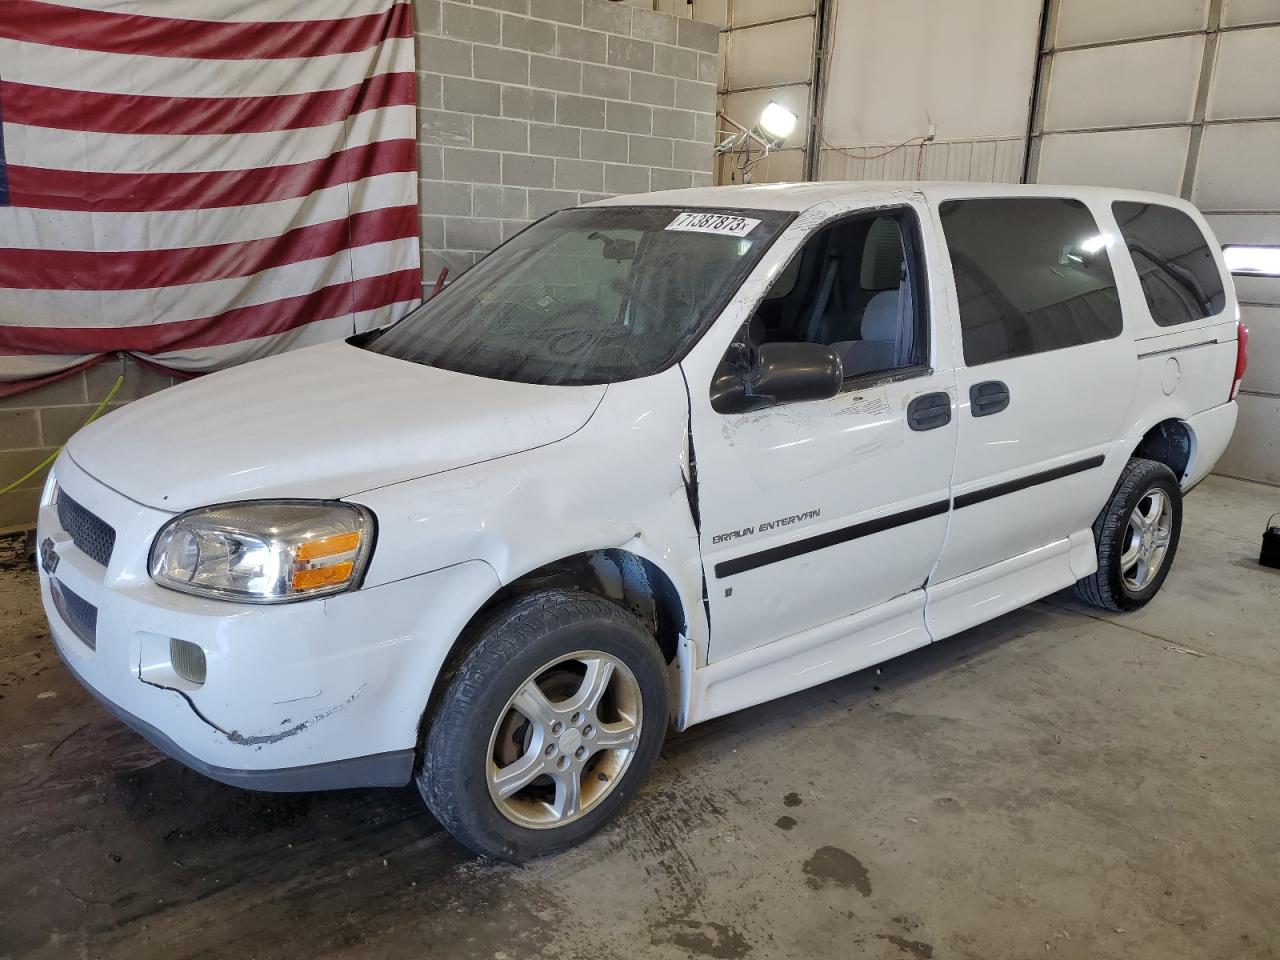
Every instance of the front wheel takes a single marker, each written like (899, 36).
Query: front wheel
(1136, 535)
(553, 718)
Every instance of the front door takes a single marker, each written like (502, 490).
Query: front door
(812, 512)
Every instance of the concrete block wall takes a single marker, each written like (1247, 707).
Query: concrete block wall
(529, 106)
(35, 424)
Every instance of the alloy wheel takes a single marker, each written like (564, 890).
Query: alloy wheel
(564, 740)
(1147, 537)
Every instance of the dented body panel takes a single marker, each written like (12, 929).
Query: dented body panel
(768, 550)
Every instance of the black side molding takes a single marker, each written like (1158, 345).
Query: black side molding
(832, 538)
(1022, 483)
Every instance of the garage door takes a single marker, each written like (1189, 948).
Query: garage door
(1180, 96)
(768, 56)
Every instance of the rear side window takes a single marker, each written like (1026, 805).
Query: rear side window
(1032, 275)
(1179, 277)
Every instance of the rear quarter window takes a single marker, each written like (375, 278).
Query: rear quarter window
(1180, 278)
(1032, 274)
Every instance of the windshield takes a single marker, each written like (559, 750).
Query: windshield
(590, 295)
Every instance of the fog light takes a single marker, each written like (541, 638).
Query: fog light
(188, 660)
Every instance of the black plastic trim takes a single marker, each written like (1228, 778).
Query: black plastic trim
(80, 615)
(1022, 483)
(787, 551)
(832, 538)
(391, 769)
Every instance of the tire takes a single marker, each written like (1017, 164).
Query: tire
(1122, 583)
(490, 732)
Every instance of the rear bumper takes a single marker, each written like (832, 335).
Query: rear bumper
(1212, 431)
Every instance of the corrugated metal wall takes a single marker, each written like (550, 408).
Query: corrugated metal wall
(903, 70)
(1183, 97)
(998, 160)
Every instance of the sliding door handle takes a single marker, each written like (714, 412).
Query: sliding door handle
(929, 411)
(987, 398)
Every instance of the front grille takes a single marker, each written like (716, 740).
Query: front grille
(90, 533)
(81, 615)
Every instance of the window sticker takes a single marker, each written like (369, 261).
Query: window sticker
(721, 223)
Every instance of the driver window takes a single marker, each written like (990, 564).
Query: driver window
(851, 287)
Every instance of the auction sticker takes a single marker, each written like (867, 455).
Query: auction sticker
(721, 223)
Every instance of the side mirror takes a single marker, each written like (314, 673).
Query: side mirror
(776, 373)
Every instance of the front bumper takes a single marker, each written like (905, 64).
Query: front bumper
(317, 694)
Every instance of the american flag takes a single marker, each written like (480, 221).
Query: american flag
(201, 182)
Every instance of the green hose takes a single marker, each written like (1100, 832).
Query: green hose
(54, 456)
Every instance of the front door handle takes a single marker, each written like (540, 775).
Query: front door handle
(929, 411)
(987, 398)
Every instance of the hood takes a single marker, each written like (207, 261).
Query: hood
(323, 422)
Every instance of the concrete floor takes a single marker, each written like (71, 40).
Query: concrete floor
(1054, 783)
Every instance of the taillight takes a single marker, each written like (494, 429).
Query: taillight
(1242, 358)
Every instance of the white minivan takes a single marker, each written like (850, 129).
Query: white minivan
(654, 460)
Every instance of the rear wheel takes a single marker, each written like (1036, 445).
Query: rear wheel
(1136, 536)
(551, 721)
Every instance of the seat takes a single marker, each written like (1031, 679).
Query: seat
(878, 348)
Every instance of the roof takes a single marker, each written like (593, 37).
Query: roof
(802, 196)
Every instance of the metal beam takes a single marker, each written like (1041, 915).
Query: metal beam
(1040, 88)
(1202, 99)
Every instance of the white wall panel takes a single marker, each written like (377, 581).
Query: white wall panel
(1246, 82)
(1099, 21)
(1139, 159)
(1246, 228)
(773, 53)
(757, 11)
(1239, 167)
(1259, 290)
(1263, 374)
(998, 161)
(898, 65)
(1237, 12)
(1254, 451)
(1158, 79)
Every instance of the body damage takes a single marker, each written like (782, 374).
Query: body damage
(527, 520)
(260, 739)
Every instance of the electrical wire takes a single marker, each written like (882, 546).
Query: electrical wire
(111, 395)
(848, 151)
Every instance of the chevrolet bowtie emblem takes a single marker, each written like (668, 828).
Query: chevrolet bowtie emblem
(48, 556)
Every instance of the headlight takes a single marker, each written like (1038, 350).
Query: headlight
(264, 551)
